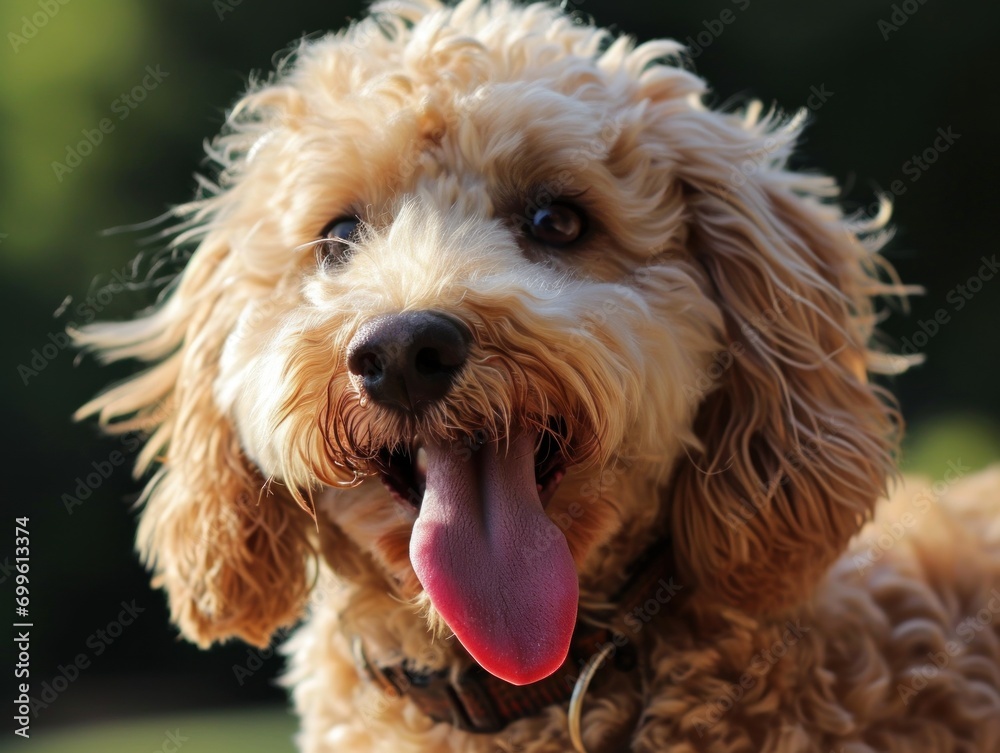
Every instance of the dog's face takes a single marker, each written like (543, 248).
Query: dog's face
(490, 299)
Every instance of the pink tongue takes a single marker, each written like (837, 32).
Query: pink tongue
(495, 567)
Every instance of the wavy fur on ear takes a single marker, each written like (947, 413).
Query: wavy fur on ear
(229, 549)
(797, 442)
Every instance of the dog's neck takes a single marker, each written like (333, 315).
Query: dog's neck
(475, 701)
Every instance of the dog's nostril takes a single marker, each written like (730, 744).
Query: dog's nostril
(408, 360)
(429, 362)
(365, 363)
(371, 366)
(440, 360)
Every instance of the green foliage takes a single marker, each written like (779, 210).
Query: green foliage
(266, 729)
(61, 80)
(972, 440)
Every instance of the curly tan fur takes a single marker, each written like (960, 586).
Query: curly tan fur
(702, 357)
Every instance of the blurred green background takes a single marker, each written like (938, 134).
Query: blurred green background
(891, 75)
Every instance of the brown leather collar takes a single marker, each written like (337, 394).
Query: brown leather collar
(475, 701)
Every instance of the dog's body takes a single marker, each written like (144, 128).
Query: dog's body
(577, 323)
(896, 650)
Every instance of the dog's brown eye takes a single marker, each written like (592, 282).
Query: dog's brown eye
(334, 236)
(558, 224)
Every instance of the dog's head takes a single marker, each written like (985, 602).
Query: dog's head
(510, 300)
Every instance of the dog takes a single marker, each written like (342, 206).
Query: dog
(546, 394)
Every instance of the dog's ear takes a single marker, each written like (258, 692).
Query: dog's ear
(230, 551)
(796, 441)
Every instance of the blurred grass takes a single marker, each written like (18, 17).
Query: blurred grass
(931, 444)
(57, 83)
(267, 730)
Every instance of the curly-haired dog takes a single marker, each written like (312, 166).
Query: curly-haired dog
(545, 378)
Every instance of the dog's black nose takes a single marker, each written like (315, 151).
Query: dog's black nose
(408, 360)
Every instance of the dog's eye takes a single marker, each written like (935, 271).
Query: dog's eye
(558, 224)
(333, 236)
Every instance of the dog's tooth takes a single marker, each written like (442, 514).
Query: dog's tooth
(420, 461)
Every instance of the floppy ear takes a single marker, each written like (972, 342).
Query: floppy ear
(797, 442)
(230, 552)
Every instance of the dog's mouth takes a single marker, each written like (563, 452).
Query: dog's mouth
(494, 565)
(403, 469)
